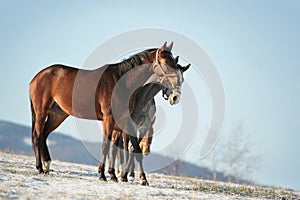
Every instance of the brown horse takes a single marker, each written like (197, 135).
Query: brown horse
(59, 91)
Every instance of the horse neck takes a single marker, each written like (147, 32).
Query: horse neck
(147, 94)
(126, 89)
(138, 76)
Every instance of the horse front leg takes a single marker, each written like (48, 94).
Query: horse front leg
(132, 166)
(101, 168)
(120, 155)
(113, 153)
(107, 129)
(131, 172)
(139, 157)
(127, 167)
(128, 158)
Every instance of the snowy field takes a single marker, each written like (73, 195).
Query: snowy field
(19, 180)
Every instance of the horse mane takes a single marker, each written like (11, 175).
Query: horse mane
(131, 62)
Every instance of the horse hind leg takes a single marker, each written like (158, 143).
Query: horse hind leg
(55, 117)
(35, 144)
(38, 121)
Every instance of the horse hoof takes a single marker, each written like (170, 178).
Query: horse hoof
(131, 178)
(46, 172)
(114, 179)
(145, 182)
(41, 171)
(102, 178)
(124, 179)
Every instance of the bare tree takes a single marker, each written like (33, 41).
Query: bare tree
(233, 155)
(212, 164)
(175, 164)
(238, 155)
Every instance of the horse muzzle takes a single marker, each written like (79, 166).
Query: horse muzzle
(174, 98)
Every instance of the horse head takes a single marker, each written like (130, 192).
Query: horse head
(169, 73)
(173, 95)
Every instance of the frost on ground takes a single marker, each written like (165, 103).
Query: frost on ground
(19, 180)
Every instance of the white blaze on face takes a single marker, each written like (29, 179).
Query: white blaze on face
(176, 80)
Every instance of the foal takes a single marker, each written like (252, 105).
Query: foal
(120, 141)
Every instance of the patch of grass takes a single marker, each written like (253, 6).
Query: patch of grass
(246, 191)
(9, 170)
(21, 185)
(210, 187)
(125, 198)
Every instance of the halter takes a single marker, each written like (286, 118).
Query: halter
(164, 75)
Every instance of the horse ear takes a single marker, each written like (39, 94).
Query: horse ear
(176, 59)
(183, 69)
(164, 47)
(170, 46)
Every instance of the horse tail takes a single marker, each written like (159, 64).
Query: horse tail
(32, 117)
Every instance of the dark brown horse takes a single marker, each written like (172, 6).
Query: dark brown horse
(144, 110)
(146, 103)
(59, 91)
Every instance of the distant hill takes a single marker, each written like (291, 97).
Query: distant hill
(17, 138)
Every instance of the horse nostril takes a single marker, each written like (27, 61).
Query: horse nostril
(175, 98)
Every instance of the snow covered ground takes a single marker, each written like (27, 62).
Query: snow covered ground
(19, 180)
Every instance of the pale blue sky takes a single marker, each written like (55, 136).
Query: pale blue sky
(255, 46)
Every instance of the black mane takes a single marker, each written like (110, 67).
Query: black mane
(131, 62)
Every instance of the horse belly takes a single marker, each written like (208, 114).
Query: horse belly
(86, 109)
(76, 96)
(81, 105)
